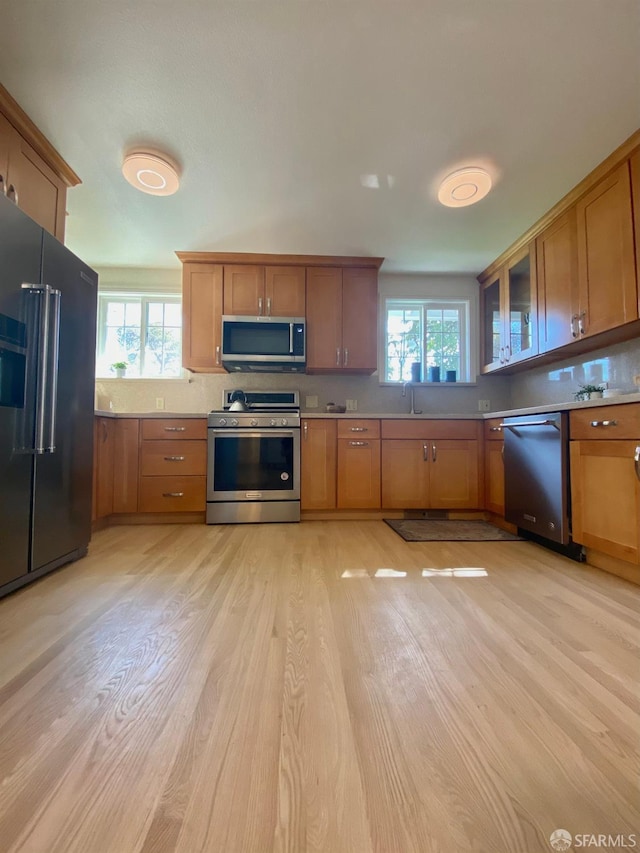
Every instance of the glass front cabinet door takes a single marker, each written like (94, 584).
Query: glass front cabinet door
(509, 313)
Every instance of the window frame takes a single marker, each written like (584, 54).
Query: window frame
(466, 310)
(133, 297)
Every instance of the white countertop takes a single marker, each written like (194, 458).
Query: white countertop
(531, 410)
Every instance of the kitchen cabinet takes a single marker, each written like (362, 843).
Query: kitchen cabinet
(202, 291)
(342, 319)
(33, 173)
(318, 464)
(173, 465)
(430, 464)
(494, 466)
(605, 484)
(557, 267)
(607, 290)
(125, 464)
(634, 164)
(264, 291)
(103, 467)
(509, 312)
(358, 464)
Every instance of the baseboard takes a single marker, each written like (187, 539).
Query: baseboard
(613, 565)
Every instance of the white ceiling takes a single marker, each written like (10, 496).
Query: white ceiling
(276, 109)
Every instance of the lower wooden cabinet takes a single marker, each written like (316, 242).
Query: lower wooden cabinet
(103, 467)
(149, 465)
(494, 466)
(605, 496)
(430, 474)
(318, 464)
(358, 473)
(431, 464)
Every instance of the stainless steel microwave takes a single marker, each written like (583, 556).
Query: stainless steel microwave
(263, 344)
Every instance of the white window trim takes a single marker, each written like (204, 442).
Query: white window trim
(143, 297)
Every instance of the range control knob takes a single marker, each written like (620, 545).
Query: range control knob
(222, 422)
(274, 422)
(234, 422)
(254, 422)
(283, 422)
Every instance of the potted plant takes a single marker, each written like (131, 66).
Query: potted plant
(589, 392)
(120, 368)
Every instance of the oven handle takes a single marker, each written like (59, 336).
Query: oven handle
(250, 433)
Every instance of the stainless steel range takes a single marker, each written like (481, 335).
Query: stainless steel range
(253, 464)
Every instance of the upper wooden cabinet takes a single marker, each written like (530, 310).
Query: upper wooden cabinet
(338, 296)
(342, 320)
(606, 255)
(584, 257)
(202, 317)
(557, 268)
(32, 172)
(509, 312)
(259, 291)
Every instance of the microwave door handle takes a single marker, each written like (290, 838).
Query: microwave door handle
(290, 338)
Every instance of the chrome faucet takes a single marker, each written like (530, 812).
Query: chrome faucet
(412, 389)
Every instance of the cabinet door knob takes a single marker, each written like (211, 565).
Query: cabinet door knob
(434, 452)
(495, 429)
(337, 356)
(346, 357)
(574, 317)
(359, 429)
(581, 324)
(260, 305)
(175, 429)
(305, 430)
(268, 306)
(425, 452)
(359, 443)
(218, 354)
(604, 423)
(174, 458)
(12, 193)
(173, 494)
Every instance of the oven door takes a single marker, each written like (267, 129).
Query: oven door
(253, 465)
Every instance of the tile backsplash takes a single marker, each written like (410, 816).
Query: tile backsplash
(557, 383)
(203, 392)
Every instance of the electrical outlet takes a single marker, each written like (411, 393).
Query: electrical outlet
(311, 402)
(484, 405)
(159, 402)
(352, 405)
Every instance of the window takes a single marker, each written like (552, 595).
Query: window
(433, 332)
(143, 330)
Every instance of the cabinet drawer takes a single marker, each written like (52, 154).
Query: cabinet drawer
(173, 494)
(348, 428)
(492, 430)
(174, 428)
(430, 429)
(606, 422)
(171, 458)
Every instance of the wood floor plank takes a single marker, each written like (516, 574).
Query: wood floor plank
(316, 688)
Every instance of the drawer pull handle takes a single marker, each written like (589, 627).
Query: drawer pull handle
(359, 429)
(495, 429)
(636, 461)
(604, 423)
(425, 452)
(174, 458)
(359, 443)
(175, 429)
(434, 453)
(173, 494)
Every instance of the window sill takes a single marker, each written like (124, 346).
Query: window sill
(173, 379)
(448, 385)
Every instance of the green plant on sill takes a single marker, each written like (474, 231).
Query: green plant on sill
(119, 365)
(584, 391)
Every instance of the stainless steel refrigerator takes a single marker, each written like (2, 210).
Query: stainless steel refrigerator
(48, 303)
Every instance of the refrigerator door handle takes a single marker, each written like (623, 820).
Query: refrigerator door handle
(48, 327)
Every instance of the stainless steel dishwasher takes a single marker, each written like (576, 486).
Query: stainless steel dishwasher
(536, 475)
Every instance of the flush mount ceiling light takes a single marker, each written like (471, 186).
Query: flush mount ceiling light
(464, 187)
(150, 173)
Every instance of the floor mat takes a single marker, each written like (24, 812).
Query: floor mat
(452, 530)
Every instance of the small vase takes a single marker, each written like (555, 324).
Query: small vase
(121, 372)
(595, 395)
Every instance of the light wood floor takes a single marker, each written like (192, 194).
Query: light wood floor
(259, 688)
